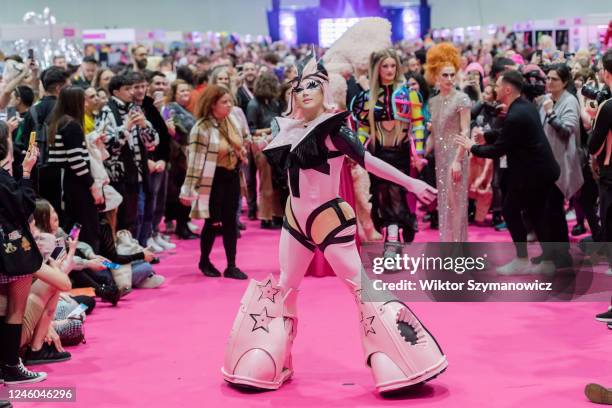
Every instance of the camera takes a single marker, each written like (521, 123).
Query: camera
(535, 84)
(591, 92)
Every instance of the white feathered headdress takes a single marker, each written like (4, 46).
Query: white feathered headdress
(354, 47)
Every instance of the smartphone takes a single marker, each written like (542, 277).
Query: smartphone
(30, 54)
(76, 313)
(58, 252)
(32, 141)
(75, 231)
(111, 265)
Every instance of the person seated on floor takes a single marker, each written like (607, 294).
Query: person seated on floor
(143, 276)
(40, 344)
(69, 324)
(88, 268)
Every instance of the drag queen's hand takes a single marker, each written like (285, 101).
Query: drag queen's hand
(423, 191)
(464, 141)
(456, 171)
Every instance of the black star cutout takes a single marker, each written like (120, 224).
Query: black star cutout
(262, 320)
(268, 291)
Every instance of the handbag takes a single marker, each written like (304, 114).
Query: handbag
(19, 254)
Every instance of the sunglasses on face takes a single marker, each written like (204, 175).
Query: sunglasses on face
(448, 75)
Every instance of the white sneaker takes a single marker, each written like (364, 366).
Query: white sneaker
(162, 243)
(531, 237)
(570, 215)
(192, 227)
(517, 266)
(546, 268)
(152, 245)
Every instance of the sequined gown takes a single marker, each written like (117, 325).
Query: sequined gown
(452, 196)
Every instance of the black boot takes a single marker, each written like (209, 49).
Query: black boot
(233, 272)
(183, 232)
(208, 269)
(108, 293)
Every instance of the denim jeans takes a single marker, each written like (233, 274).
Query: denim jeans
(147, 204)
(141, 271)
(159, 181)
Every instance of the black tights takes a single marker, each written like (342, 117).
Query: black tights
(223, 204)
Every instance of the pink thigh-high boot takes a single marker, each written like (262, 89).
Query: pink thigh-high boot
(258, 353)
(399, 349)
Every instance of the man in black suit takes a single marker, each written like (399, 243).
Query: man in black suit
(532, 173)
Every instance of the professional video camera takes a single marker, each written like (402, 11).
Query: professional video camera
(535, 82)
(597, 95)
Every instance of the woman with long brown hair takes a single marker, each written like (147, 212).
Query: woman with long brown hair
(68, 153)
(212, 184)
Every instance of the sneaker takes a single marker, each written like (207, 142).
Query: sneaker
(5, 404)
(605, 317)
(609, 271)
(18, 374)
(209, 270)
(241, 226)
(517, 266)
(153, 247)
(233, 272)
(47, 354)
(570, 215)
(192, 227)
(152, 282)
(163, 243)
(546, 268)
(531, 237)
(598, 394)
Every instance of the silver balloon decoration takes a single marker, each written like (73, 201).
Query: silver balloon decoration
(48, 47)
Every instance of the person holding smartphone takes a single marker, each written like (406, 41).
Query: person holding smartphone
(17, 198)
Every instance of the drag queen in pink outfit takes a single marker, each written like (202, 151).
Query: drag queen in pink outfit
(311, 143)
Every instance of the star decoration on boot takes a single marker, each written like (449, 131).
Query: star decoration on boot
(358, 296)
(268, 291)
(367, 324)
(262, 320)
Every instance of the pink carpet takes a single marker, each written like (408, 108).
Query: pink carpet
(164, 347)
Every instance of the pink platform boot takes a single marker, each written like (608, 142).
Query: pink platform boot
(258, 353)
(399, 349)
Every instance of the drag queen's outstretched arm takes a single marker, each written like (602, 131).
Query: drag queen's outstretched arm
(347, 142)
